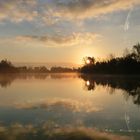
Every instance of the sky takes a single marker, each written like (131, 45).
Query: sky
(67, 30)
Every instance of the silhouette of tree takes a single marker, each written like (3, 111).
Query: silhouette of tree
(128, 64)
(89, 60)
(6, 66)
(126, 53)
(136, 52)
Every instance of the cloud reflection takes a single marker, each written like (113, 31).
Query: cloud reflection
(60, 105)
(29, 132)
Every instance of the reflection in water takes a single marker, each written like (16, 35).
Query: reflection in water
(61, 105)
(52, 131)
(40, 106)
(7, 79)
(129, 84)
(63, 75)
(90, 85)
(127, 120)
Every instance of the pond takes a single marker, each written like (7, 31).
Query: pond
(69, 106)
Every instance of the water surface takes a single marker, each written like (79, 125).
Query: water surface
(34, 106)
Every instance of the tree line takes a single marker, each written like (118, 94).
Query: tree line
(127, 64)
(7, 67)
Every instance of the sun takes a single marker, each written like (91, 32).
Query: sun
(88, 61)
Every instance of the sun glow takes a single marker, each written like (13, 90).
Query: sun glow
(88, 61)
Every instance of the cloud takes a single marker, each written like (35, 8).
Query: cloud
(17, 10)
(83, 9)
(54, 40)
(50, 12)
(69, 40)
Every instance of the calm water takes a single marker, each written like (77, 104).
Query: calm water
(35, 106)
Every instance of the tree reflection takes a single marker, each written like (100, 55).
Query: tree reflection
(7, 79)
(90, 85)
(129, 84)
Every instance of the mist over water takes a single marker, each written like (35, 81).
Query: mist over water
(47, 64)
